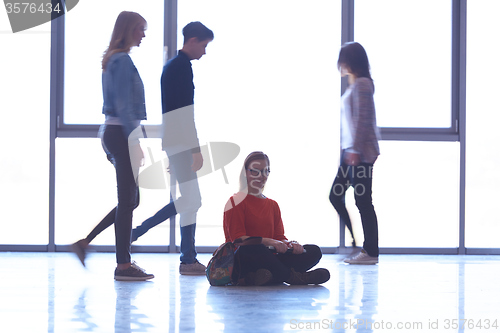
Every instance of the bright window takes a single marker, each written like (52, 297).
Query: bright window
(483, 137)
(86, 192)
(88, 32)
(25, 105)
(409, 48)
(269, 82)
(415, 194)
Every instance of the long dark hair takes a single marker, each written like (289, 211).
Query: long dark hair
(353, 56)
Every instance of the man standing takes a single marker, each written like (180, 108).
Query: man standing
(180, 141)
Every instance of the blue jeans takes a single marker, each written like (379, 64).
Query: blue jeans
(360, 178)
(186, 206)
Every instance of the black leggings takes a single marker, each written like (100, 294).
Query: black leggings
(128, 194)
(254, 257)
(360, 177)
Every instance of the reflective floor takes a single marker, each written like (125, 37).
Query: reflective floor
(44, 292)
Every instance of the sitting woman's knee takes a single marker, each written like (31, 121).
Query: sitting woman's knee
(313, 251)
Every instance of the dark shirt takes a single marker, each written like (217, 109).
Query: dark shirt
(177, 87)
(177, 92)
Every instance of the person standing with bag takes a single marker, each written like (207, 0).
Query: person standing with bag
(250, 214)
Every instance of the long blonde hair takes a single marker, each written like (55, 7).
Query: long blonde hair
(121, 38)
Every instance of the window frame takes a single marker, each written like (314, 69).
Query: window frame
(451, 133)
(456, 132)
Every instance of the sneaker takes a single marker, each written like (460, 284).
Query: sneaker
(259, 278)
(317, 276)
(362, 259)
(133, 273)
(196, 268)
(79, 248)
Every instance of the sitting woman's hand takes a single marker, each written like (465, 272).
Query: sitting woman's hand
(297, 248)
(280, 246)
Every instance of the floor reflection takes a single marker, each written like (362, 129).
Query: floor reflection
(128, 317)
(82, 316)
(358, 298)
(187, 314)
(269, 307)
(53, 293)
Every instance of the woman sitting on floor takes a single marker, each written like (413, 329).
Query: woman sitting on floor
(249, 213)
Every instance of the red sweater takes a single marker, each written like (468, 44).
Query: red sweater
(252, 216)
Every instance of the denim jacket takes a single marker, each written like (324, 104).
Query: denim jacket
(123, 92)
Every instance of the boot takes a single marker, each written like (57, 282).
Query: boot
(317, 276)
(259, 278)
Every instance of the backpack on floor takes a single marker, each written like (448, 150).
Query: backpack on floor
(221, 266)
